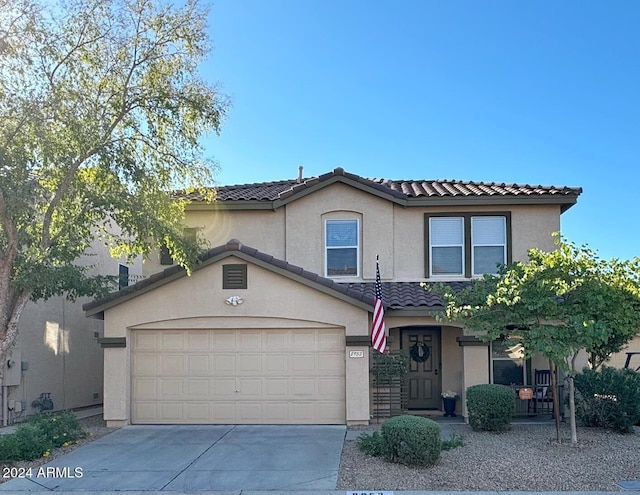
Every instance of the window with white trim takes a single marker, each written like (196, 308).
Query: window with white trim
(508, 364)
(342, 248)
(489, 240)
(447, 245)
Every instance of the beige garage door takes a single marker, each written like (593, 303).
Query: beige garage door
(293, 376)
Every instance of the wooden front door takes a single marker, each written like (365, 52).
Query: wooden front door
(423, 379)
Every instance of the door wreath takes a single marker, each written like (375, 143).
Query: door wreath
(419, 352)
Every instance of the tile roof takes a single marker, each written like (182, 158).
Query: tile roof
(400, 295)
(400, 189)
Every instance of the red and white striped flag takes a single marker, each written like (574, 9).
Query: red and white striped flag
(378, 335)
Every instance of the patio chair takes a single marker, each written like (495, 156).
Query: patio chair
(542, 392)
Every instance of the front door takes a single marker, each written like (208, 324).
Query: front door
(422, 344)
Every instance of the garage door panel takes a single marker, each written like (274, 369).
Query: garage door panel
(249, 363)
(276, 363)
(275, 341)
(250, 340)
(146, 365)
(198, 388)
(198, 364)
(171, 411)
(276, 388)
(303, 363)
(330, 363)
(198, 341)
(224, 388)
(224, 364)
(269, 376)
(224, 340)
(173, 365)
(172, 388)
(145, 388)
(173, 341)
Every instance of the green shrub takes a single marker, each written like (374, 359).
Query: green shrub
(453, 443)
(609, 398)
(490, 407)
(38, 435)
(411, 440)
(372, 444)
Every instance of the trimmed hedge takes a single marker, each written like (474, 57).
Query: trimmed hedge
(609, 398)
(411, 440)
(490, 407)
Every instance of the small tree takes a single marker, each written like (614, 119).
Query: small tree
(557, 304)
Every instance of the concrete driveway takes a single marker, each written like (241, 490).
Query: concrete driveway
(196, 458)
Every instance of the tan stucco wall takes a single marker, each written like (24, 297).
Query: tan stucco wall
(198, 302)
(475, 369)
(305, 229)
(260, 229)
(58, 343)
(295, 232)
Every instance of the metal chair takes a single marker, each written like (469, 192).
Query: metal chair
(542, 392)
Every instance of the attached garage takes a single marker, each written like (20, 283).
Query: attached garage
(279, 345)
(238, 376)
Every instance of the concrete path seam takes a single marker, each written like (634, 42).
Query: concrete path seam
(192, 462)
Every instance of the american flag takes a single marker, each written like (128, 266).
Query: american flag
(378, 337)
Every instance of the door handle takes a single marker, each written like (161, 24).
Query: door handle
(435, 371)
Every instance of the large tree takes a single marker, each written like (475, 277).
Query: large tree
(101, 111)
(558, 304)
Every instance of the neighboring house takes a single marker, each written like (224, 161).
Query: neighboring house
(57, 362)
(273, 325)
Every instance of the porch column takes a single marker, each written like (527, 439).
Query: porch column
(475, 369)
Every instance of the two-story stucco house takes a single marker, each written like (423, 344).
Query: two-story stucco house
(263, 331)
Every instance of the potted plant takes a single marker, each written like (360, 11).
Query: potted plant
(449, 399)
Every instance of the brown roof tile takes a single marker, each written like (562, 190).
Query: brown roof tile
(401, 189)
(400, 295)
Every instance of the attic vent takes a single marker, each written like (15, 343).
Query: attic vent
(234, 276)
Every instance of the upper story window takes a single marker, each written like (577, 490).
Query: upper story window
(123, 276)
(466, 244)
(342, 248)
(447, 245)
(489, 240)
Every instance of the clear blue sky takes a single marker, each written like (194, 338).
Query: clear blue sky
(530, 92)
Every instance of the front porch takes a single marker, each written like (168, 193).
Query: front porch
(440, 358)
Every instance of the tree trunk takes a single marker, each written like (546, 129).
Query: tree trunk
(556, 398)
(572, 401)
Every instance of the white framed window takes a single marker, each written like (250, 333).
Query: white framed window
(342, 248)
(508, 364)
(446, 237)
(489, 244)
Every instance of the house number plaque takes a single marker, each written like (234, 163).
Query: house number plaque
(356, 354)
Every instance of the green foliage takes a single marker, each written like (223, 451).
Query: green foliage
(38, 435)
(389, 365)
(373, 445)
(490, 407)
(453, 443)
(102, 110)
(411, 440)
(556, 304)
(609, 398)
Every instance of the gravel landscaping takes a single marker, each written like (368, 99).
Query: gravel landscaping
(525, 458)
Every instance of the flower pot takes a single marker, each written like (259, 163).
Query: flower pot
(449, 406)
